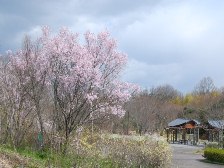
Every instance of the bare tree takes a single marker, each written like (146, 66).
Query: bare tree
(204, 97)
(205, 86)
(151, 113)
(165, 92)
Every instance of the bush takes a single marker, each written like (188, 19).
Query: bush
(212, 145)
(215, 155)
(96, 150)
(125, 151)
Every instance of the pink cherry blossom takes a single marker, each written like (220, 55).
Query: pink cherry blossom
(83, 78)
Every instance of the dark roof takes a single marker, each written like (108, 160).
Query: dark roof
(180, 121)
(196, 121)
(216, 123)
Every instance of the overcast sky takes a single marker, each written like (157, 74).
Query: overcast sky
(176, 42)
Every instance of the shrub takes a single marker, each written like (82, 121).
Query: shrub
(215, 155)
(125, 151)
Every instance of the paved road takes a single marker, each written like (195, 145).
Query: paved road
(185, 156)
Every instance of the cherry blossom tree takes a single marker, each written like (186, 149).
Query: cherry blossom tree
(81, 76)
(84, 77)
(30, 65)
(18, 108)
(23, 86)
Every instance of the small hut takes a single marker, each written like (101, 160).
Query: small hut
(214, 129)
(183, 131)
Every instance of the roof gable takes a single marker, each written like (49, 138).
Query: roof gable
(180, 121)
(216, 123)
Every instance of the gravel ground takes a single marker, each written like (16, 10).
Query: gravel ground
(185, 156)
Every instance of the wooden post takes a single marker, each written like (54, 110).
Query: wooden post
(195, 136)
(208, 136)
(176, 135)
(185, 136)
(198, 134)
(220, 138)
(173, 135)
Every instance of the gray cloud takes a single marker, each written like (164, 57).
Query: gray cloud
(168, 41)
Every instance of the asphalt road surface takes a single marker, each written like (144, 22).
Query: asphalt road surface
(185, 156)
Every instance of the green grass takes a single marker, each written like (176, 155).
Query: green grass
(41, 159)
(23, 157)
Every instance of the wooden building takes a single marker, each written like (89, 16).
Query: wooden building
(185, 131)
(189, 131)
(214, 129)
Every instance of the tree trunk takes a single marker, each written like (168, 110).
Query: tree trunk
(41, 142)
(65, 146)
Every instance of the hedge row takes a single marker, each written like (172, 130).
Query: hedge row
(215, 155)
